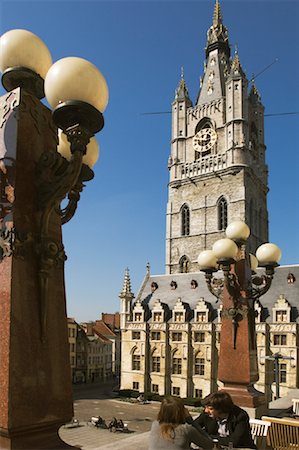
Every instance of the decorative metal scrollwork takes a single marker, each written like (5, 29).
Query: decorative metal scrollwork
(56, 179)
(215, 285)
(261, 285)
(236, 315)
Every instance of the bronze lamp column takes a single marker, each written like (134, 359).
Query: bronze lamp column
(37, 171)
(239, 287)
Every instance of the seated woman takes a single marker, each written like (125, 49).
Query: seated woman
(171, 431)
(225, 421)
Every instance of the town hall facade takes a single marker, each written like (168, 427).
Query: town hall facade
(171, 331)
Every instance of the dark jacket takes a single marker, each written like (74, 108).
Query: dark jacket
(237, 426)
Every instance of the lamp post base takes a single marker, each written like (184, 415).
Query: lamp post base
(44, 437)
(247, 396)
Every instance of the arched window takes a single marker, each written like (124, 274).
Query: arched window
(184, 264)
(185, 217)
(222, 213)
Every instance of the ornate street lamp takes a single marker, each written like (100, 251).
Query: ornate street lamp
(45, 157)
(237, 289)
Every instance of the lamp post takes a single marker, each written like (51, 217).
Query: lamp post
(237, 289)
(276, 357)
(45, 157)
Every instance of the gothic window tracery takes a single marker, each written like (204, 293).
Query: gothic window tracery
(222, 213)
(185, 217)
(184, 264)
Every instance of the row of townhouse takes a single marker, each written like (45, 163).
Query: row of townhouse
(94, 349)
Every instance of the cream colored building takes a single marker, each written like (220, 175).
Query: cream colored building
(218, 173)
(171, 342)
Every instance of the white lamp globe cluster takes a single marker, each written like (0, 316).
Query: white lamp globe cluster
(68, 79)
(237, 232)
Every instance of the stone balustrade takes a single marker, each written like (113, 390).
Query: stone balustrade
(202, 166)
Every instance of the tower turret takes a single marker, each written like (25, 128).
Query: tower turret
(179, 125)
(237, 113)
(126, 296)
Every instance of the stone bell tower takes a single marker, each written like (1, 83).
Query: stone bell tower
(217, 161)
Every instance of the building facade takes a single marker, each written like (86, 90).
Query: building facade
(171, 332)
(91, 352)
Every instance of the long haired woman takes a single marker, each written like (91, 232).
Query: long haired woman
(171, 431)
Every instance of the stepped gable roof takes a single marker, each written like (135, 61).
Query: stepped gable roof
(281, 285)
(102, 328)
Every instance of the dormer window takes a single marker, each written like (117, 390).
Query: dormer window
(173, 285)
(157, 316)
(201, 316)
(194, 284)
(281, 310)
(281, 315)
(179, 316)
(138, 316)
(201, 313)
(154, 286)
(291, 278)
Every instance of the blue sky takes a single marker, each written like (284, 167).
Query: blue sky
(140, 47)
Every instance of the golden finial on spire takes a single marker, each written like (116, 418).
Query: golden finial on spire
(217, 19)
(182, 72)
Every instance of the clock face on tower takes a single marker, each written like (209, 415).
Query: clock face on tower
(204, 139)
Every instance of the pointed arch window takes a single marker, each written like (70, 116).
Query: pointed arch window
(222, 213)
(184, 264)
(185, 218)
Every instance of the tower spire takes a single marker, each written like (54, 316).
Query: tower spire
(217, 18)
(126, 290)
(126, 296)
(217, 34)
(181, 92)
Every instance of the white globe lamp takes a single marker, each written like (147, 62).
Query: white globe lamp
(207, 260)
